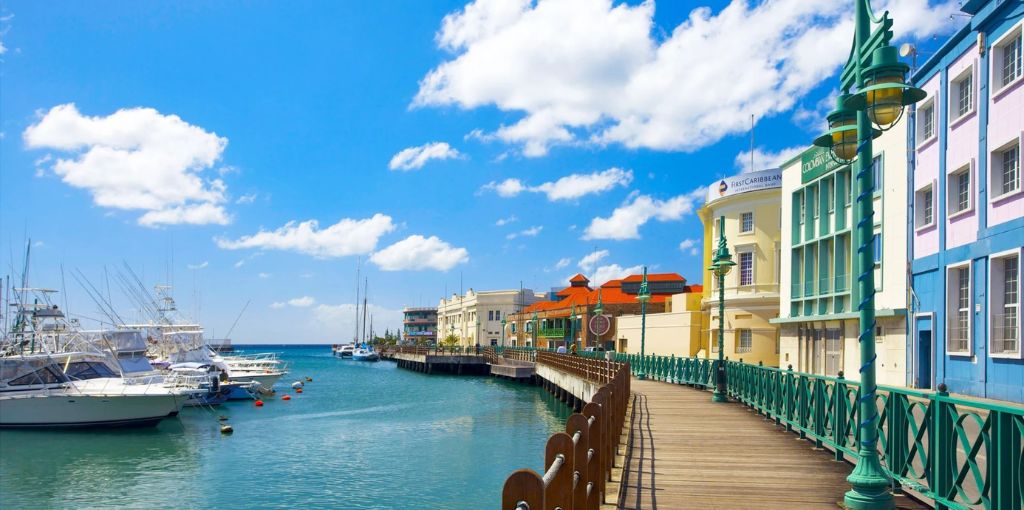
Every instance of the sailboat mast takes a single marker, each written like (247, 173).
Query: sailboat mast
(366, 289)
(355, 334)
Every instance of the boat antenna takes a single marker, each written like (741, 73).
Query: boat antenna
(366, 290)
(355, 334)
(233, 324)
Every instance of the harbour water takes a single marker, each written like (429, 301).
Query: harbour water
(361, 435)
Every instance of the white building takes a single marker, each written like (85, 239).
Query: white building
(475, 317)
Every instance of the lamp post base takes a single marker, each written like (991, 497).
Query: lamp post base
(719, 397)
(871, 486)
(641, 376)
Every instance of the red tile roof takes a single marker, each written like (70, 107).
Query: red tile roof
(578, 278)
(656, 277)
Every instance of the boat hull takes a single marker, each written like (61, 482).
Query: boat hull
(87, 411)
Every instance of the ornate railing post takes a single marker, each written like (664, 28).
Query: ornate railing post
(840, 405)
(943, 457)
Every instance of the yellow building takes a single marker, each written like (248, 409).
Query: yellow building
(750, 203)
(676, 332)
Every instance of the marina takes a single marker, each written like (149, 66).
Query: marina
(360, 435)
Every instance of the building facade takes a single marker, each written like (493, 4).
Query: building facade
(818, 294)
(419, 325)
(968, 209)
(475, 317)
(678, 331)
(750, 203)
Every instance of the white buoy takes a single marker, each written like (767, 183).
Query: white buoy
(297, 384)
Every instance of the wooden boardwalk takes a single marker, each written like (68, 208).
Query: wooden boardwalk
(688, 452)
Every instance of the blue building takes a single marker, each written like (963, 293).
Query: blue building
(966, 227)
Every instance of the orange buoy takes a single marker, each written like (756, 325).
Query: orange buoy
(259, 403)
(286, 397)
(298, 390)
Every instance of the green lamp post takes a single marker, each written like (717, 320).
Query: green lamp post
(502, 332)
(721, 264)
(643, 297)
(598, 310)
(534, 330)
(874, 94)
(572, 326)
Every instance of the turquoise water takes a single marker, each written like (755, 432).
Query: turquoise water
(361, 435)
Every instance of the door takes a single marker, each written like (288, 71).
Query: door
(924, 359)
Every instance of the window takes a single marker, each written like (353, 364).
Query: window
(924, 207)
(848, 184)
(813, 197)
(1005, 289)
(926, 123)
(962, 94)
(746, 222)
(877, 247)
(497, 315)
(830, 190)
(1006, 169)
(960, 191)
(803, 206)
(42, 376)
(876, 174)
(745, 341)
(746, 268)
(714, 341)
(490, 315)
(1007, 61)
(958, 300)
(879, 334)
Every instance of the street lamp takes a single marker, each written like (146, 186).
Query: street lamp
(502, 332)
(881, 96)
(572, 325)
(598, 311)
(721, 264)
(643, 297)
(534, 330)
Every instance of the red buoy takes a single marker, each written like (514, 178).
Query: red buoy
(259, 403)
(298, 390)
(286, 397)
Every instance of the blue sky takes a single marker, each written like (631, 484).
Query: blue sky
(196, 142)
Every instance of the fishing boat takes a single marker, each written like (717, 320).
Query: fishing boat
(346, 351)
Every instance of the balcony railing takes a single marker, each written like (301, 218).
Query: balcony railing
(1005, 333)
(552, 332)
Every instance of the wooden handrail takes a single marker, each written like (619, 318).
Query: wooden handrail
(579, 461)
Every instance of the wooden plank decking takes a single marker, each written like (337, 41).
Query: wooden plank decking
(691, 453)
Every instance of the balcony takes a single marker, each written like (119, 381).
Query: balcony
(419, 321)
(552, 332)
(1005, 339)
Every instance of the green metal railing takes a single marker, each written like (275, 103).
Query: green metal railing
(552, 332)
(959, 452)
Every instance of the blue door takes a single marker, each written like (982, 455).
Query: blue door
(924, 361)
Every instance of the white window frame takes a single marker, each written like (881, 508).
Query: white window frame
(747, 232)
(995, 169)
(919, 198)
(919, 123)
(740, 250)
(998, 281)
(996, 63)
(739, 341)
(955, 117)
(880, 181)
(951, 302)
(952, 188)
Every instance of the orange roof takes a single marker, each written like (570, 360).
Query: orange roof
(578, 278)
(694, 288)
(656, 277)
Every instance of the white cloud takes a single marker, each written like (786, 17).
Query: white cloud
(302, 302)
(201, 265)
(691, 246)
(247, 199)
(263, 276)
(346, 237)
(598, 71)
(505, 221)
(278, 305)
(530, 232)
(766, 159)
(339, 320)
(626, 220)
(137, 159)
(415, 157)
(417, 252)
(589, 262)
(563, 263)
(612, 272)
(570, 187)
(507, 188)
